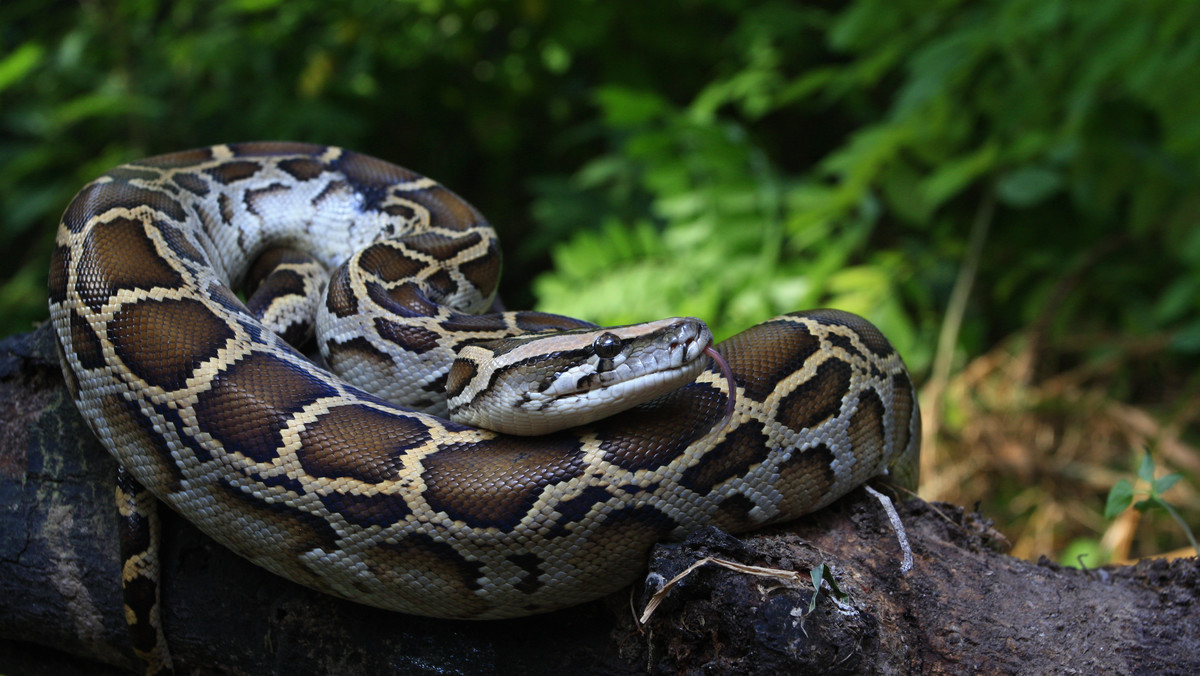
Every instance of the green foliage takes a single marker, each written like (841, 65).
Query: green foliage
(1120, 497)
(839, 159)
(824, 574)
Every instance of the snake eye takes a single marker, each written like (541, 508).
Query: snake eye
(606, 346)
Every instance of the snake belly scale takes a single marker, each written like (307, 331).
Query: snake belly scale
(396, 506)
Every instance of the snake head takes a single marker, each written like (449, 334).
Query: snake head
(540, 383)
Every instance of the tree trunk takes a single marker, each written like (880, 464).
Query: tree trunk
(964, 608)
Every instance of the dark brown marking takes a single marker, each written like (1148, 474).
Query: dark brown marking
(538, 322)
(340, 299)
(120, 255)
(405, 300)
(191, 183)
(98, 198)
(225, 206)
(441, 284)
(252, 198)
(460, 375)
(531, 566)
(359, 442)
(178, 243)
(654, 434)
(183, 158)
(86, 343)
(416, 339)
(357, 347)
(302, 168)
(267, 148)
(866, 433)
(871, 336)
(163, 341)
(251, 401)
(379, 509)
(441, 247)
(805, 479)
(132, 428)
(388, 263)
(484, 271)
(742, 449)
(232, 172)
(439, 561)
(733, 514)
(817, 399)
(474, 323)
(846, 344)
(372, 172)
(493, 483)
(60, 263)
(447, 209)
(763, 355)
(903, 408)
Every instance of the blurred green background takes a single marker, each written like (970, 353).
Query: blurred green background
(1007, 188)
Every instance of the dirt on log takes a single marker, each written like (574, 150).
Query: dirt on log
(965, 607)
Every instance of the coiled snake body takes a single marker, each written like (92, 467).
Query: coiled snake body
(398, 507)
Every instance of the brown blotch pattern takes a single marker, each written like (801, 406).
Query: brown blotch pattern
(483, 272)
(183, 158)
(302, 168)
(442, 568)
(493, 483)
(264, 148)
(866, 434)
(163, 341)
(809, 476)
(531, 566)
(191, 183)
(763, 355)
(870, 336)
(460, 375)
(360, 347)
(817, 399)
(441, 247)
(415, 339)
(537, 322)
(654, 434)
(733, 514)
(60, 262)
(359, 442)
(448, 210)
(379, 509)
(388, 263)
(903, 402)
(231, 172)
(370, 172)
(120, 255)
(132, 429)
(742, 449)
(252, 401)
(340, 299)
(85, 343)
(98, 198)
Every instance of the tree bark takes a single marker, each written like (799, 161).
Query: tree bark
(964, 608)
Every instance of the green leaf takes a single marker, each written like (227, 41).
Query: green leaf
(1146, 469)
(18, 63)
(1118, 499)
(1028, 186)
(1163, 484)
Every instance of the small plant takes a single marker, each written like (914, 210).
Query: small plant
(1122, 494)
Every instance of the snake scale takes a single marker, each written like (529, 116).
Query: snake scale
(360, 486)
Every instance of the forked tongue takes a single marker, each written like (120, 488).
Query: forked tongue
(731, 400)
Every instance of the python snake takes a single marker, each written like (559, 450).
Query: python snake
(396, 506)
